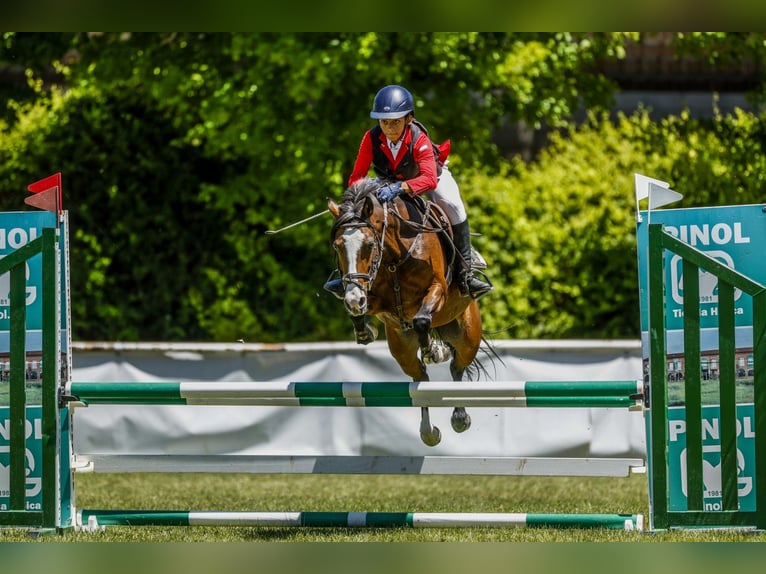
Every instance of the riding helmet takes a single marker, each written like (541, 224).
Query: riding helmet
(392, 102)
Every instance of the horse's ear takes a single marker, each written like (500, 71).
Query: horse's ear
(334, 209)
(369, 207)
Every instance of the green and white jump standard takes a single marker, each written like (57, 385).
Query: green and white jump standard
(93, 519)
(565, 394)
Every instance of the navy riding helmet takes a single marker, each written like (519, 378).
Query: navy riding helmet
(392, 102)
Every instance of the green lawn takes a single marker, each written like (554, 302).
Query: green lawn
(366, 493)
(710, 392)
(33, 393)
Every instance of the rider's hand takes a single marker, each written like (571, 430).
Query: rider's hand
(389, 191)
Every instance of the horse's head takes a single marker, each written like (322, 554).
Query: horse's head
(357, 237)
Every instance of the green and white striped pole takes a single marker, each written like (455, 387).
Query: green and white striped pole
(93, 519)
(585, 394)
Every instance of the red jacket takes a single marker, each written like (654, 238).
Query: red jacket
(422, 152)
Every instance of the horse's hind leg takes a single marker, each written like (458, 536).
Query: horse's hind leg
(429, 434)
(464, 337)
(404, 348)
(460, 420)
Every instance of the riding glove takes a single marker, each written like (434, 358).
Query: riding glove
(389, 191)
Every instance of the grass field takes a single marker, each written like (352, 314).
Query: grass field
(367, 493)
(710, 392)
(34, 395)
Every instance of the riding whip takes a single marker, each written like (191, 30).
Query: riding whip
(273, 231)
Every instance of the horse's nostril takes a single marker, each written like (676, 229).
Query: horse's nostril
(363, 302)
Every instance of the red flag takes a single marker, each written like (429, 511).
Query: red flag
(47, 201)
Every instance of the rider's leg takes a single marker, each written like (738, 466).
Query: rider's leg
(335, 286)
(447, 196)
(469, 283)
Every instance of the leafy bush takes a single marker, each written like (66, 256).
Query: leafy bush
(559, 233)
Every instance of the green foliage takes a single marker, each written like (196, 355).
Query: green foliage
(560, 233)
(560, 239)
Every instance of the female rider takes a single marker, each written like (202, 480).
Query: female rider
(401, 153)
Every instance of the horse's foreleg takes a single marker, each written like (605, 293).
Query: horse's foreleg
(364, 331)
(430, 350)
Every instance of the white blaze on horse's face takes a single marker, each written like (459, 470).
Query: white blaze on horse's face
(354, 240)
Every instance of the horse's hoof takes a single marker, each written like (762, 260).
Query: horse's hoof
(431, 438)
(437, 353)
(461, 422)
(362, 338)
(367, 336)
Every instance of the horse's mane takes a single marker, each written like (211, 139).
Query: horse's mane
(353, 202)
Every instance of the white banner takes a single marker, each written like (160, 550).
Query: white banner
(256, 430)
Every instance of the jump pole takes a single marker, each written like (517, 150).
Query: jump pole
(523, 394)
(96, 519)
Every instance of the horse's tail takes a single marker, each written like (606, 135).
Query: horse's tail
(486, 358)
(488, 350)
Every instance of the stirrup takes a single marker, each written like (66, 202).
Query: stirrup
(335, 286)
(472, 286)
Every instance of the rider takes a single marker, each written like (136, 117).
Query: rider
(401, 152)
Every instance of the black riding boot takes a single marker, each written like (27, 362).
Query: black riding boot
(335, 286)
(469, 284)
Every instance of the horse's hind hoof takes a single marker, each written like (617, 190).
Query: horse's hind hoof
(461, 422)
(433, 438)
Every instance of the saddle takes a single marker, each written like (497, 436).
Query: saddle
(425, 212)
(428, 214)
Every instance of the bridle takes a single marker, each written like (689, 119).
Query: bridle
(356, 279)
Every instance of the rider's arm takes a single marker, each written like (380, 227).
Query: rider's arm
(363, 160)
(424, 156)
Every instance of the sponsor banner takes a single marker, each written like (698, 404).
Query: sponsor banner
(734, 236)
(711, 458)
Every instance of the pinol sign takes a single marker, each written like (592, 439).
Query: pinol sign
(711, 458)
(733, 235)
(16, 230)
(33, 458)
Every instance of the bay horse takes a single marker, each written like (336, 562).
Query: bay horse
(395, 266)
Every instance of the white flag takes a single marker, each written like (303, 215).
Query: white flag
(658, 192)
(642, 185)
(659, 195)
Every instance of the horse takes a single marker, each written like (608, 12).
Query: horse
(395, 263)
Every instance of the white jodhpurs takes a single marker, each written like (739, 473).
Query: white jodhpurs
(447, 196)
